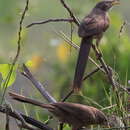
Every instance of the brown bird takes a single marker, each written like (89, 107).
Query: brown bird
(92, 27)
(76, 115)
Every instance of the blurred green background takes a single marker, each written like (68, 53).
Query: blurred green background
(53, 60)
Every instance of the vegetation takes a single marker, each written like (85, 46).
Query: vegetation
(52, 60)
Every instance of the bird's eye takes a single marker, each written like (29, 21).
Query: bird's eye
(108, 4)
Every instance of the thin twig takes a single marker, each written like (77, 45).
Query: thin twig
(18, 50)
(67, 39)
(91, 73)
(20, 31)
(68, 95)
(23, 122)
(72, 19)
(7, 119)
(35, 123)
(48, 21)
(28, 119)
(71, 35)
(108, 71)
(104, 65)
(38, 85)
(70, 12)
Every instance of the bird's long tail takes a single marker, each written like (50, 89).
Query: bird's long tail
(81, 62)
(24, 99)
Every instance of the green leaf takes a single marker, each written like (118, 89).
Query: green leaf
(66, 127)
(5, 70)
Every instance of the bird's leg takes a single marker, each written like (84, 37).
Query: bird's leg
(99, 53)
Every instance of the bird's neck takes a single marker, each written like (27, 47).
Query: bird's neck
(99, 11)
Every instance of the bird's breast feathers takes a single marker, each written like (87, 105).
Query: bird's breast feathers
(93, 24)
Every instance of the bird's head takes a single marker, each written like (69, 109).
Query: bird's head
(105, 5)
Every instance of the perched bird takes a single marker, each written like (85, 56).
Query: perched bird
(76, 115)
(92, 27)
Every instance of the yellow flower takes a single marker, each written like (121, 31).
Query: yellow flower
(63, 52)
(35, 62)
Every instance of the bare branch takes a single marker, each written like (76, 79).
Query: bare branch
(38, 85)
(72, 19)
(23, 122)
(104, 65)
(91, 73)
(67, 96)
(70, 12)
(7, 119)
(50, 20)
(108, 71)
(6, 82)
(29, 120)
(20, 30)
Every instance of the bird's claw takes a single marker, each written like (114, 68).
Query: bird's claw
(99, 55)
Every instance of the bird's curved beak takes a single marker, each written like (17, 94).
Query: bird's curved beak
(115, 2)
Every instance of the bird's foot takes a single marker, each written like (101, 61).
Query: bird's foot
(98, 55)
(98, 52)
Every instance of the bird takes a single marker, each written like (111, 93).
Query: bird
(91, 27)
(76, 115)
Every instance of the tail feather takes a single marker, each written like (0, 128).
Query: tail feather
(81, 62)
(24, 99)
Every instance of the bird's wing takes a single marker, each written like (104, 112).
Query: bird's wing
(92, 25)
(76, 111)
